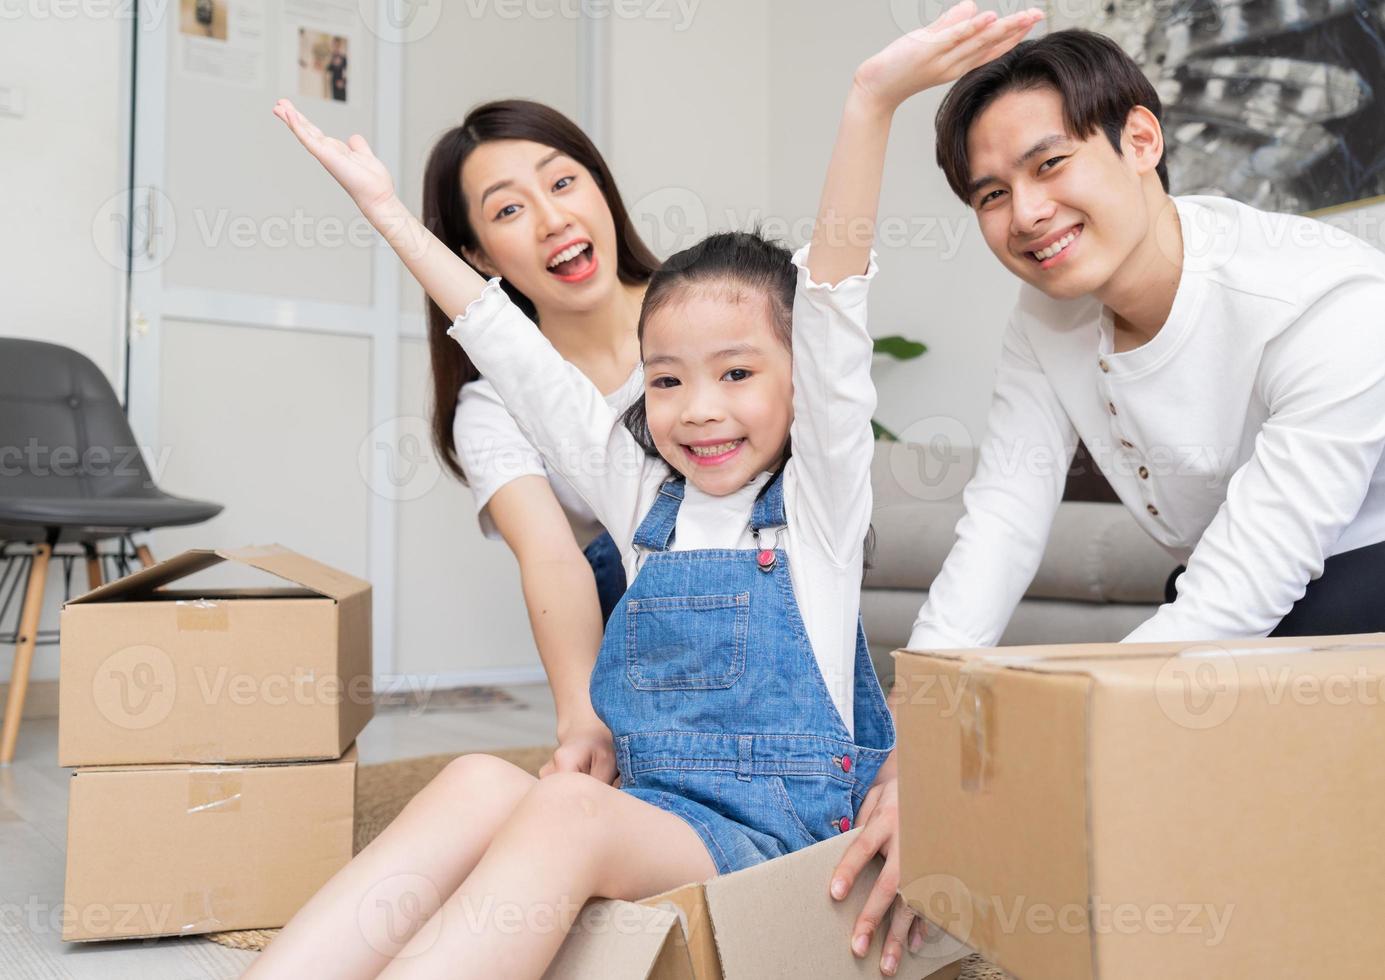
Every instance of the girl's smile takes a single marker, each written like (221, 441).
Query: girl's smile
(715, 453)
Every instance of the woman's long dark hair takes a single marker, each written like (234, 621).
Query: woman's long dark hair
(444, 214)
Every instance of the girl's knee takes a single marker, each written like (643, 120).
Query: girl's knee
(574, 800)
(479, 773)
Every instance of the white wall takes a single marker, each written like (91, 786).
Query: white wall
(60, 163)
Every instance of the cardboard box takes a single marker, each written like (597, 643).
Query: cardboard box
(773, 920)
(174, 850)
(1154, 810)
(152, 674)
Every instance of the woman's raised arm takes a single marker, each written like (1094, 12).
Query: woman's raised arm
(447, 279)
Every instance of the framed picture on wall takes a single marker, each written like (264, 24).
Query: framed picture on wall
(1277, 103)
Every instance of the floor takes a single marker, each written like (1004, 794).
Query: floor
(33, 826)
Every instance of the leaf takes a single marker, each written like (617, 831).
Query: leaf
(900, 348)
(882, 434)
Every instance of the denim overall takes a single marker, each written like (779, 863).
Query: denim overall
(718, 709)
(604, 558)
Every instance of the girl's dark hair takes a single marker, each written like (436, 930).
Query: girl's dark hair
(445, 215)
(733, 263)
(1098, 83)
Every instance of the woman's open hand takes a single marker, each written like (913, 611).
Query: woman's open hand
(958, 41)
(352, 163)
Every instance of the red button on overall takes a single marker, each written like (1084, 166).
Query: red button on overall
(846, 763)
(844, 824)
(765, 559)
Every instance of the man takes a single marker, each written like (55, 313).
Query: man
(1224, 365)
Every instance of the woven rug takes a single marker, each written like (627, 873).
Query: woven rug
(383, 790)
(416, 702)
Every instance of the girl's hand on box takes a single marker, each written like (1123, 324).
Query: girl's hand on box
(958, 41)
(585, 748)
(879, 823)
(352, 163)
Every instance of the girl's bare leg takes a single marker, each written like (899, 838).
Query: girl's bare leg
(571, 837)
(372, 907)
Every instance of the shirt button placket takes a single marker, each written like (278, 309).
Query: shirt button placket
(1125, 443)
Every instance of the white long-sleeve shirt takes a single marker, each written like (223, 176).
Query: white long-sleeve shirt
(1246, 437)
(827, 494)
(494, 452)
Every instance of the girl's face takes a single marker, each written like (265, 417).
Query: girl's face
(532, 205)
(718, 388)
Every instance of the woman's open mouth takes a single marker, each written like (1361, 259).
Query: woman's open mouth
(713, 454)
(574, 263)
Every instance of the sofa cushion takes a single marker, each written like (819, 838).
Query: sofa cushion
(1096, 552)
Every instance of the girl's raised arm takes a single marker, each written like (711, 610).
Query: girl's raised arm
(834, 397)
(448, 280)
(958, 41)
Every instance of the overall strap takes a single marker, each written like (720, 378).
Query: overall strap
(769, 506)
(657, 527)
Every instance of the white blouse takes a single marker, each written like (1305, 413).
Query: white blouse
(493, 452)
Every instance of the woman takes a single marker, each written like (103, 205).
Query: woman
(520, 192)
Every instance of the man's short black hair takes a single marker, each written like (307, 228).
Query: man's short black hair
(1098, 83)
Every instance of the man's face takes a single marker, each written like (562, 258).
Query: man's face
(1061, 213)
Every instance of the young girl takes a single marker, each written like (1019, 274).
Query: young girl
(747, 723)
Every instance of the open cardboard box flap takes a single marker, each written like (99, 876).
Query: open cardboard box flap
(273, 558)
(773, 920)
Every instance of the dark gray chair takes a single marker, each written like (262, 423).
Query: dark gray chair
(72, 479)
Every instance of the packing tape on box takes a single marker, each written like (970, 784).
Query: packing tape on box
(202, 615)
(976, 716)
(207, 910)
(214, 790)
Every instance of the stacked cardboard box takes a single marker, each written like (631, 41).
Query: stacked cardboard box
(1153, 810)
(212, 734)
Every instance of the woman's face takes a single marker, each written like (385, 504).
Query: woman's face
(532, 206)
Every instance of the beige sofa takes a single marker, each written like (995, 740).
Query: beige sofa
(1100, 577)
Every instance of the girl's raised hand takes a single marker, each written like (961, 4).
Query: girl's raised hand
(352, 163)
(958, 41)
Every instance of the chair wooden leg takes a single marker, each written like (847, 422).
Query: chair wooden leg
(146, 557)
(24, 651)
(94, 575)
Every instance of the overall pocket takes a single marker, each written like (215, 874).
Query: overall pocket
(686, 643)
